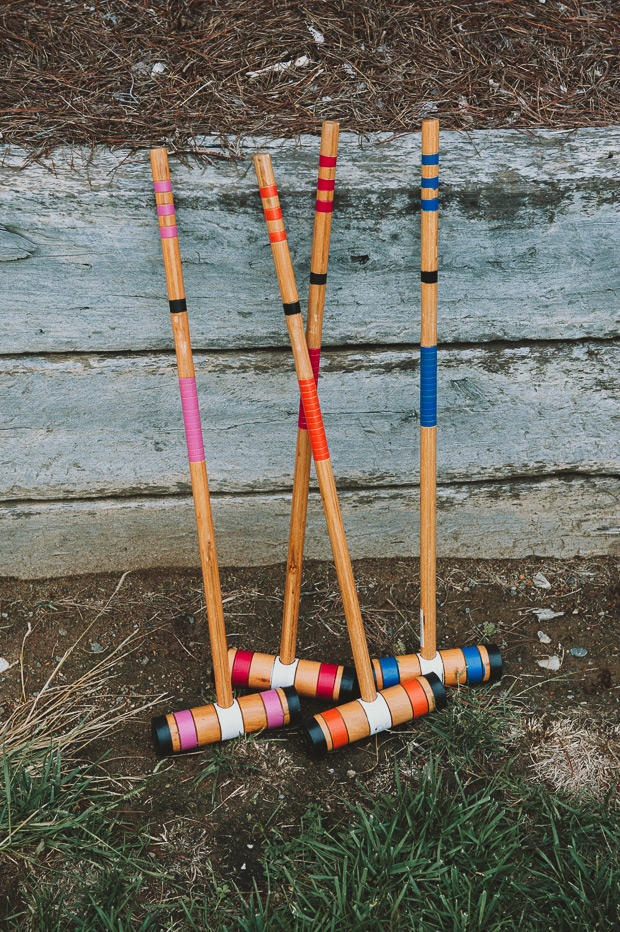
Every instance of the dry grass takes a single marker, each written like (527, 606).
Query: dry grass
(136, 73)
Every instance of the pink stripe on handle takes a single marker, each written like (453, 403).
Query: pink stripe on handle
(327, 161)
(315, 360)
(164, 210)
(187, 729)
(162, 186)
(168, 232)
(191, 419)
(273, 708)
(324, 184)
(324, 207)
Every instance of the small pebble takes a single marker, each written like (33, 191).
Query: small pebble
(541, 581)
(579, 652)
(4, 664)
(544, 638)
(62, 632)
(144, 661)
(550, 663)
(350, 773)
(96, 648)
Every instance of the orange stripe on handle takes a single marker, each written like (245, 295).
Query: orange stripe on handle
(277, 237)
(269, 191)
(273, 213)
(314, 419)
(337, 728)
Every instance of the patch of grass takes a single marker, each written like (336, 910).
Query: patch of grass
(434, 856)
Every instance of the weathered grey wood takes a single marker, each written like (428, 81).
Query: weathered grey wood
(89, 426)
(529, 244)
(553, 518)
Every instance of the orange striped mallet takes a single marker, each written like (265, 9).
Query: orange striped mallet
(372, 712)
(251, 668)
(228, 717)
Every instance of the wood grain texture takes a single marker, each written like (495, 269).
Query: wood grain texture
(555, 517)
(529, 244)
(90, 426)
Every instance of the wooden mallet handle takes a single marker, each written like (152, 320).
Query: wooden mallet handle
(191, 417)
(428, 388)
(314, 327)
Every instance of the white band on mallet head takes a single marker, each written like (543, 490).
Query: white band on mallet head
(432, 666)
(283, 674)
(377, 713)
(231, 721)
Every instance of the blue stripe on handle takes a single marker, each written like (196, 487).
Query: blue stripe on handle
(432, 203)
(431, 159)
(475, 666)
(428, 386)
(390, 670)
(430, 182)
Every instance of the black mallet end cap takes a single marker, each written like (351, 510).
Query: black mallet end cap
(439, 691)
(313, 738)
(495, 662)
(162, 738)
(292, 699)
(349, 687)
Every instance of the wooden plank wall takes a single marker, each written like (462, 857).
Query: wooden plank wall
(93, 470)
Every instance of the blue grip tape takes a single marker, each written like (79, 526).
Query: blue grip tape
(430, 182)
(391, 673)
(475, 666)
(431, 159)
(431, 203)
(428, 386)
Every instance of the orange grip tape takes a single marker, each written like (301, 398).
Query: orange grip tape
(314, 419)
(277, 237)
(337, 728)
(269, 191)
(273, 213)
(417, 697)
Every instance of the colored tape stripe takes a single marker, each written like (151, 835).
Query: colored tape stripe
(165, 210)
(178, 306)
(327, 678)
(327, 161)
(241, 667)
(273, 708)
(475, 666)
(293, 308)
(318, 278)
(430, 182)
(187, 729)
(277, 237)
(269, 191)
(378, 714)
(273, 213)
(162, 186)
(325, 184)
(314, 419)
(337, 728)
(231, 721)
(428, 386)
(391, 673)
(431, 159)
(417, 697)
(324, 207)
(168, 232)
(429, 278)
(191, 419)
(315, 361)
(431, 203)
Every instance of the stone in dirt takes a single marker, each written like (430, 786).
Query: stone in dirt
(550, 663)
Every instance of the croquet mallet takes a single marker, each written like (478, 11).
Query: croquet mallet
(228, 717)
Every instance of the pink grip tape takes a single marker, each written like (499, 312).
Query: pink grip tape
(164, 210)
(187, 729)
(162, 186)
(273, 708)
(315, 360)
(191, 419)
(168, 232)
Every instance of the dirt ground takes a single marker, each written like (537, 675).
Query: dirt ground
(214, 804)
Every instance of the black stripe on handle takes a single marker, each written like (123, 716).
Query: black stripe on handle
(293, 308)
(178, 306)
(429, 278)
(316, 278)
